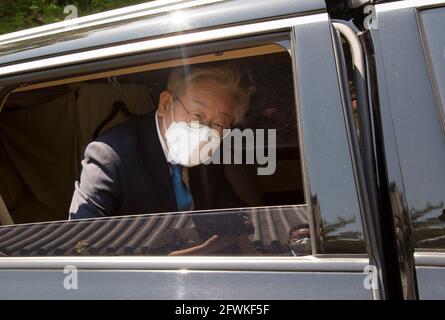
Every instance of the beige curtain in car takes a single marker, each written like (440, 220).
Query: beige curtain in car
(41, 147)
(95, 101)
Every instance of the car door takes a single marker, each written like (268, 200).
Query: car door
(410, 66)
(39, 262)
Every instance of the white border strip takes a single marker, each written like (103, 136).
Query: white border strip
(145, 9)
(155, 44)
(385, 7)
(429, 258)
(308, 263)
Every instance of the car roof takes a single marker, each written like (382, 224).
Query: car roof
(145, 21)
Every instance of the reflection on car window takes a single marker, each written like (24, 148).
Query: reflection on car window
(425, 185)
(432, 25)
(231, 232)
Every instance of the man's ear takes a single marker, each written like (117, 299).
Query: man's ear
(164, 102)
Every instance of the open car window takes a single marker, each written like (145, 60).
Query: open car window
(45, 132)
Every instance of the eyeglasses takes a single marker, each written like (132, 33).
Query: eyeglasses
(195, 120)
(300, 236)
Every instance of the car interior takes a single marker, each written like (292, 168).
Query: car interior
(44, 129)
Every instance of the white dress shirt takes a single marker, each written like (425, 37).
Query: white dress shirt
(185, 172)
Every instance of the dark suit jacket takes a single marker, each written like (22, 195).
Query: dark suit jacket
(125, 172)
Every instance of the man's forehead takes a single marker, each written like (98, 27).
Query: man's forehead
(301, 231)
(207, 88)
(209, 101)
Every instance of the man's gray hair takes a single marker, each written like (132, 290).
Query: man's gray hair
(226, 74)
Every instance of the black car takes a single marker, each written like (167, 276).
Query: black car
(354, 92)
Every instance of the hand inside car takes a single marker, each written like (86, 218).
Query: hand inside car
(216, 243)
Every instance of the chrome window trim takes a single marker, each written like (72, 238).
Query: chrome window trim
(129, 12)
(429, 258)
(384, 7)
(182, 264)
(163, 43)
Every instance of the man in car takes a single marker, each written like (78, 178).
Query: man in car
(300, 240)
(154, 163)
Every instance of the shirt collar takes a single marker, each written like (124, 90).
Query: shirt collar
(161, 139)
(185, 175)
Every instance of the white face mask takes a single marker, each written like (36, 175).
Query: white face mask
(301, 247)
(188, 145)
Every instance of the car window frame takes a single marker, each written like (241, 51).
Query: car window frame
(19, 75)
